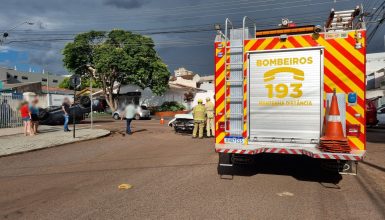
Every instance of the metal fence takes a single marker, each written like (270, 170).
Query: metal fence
(9, 110)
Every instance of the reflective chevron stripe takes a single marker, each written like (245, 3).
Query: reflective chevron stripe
(344, 70)
(219, 91)
(328, 156)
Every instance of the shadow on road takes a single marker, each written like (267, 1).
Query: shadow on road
(96, 121)
(300, 167)
(49, 130)
(138, 131)
(374, 166)
(372, 187)
(375, 135)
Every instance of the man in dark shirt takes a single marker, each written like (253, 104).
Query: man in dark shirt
(66, 109)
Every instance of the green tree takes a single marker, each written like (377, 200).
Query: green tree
(65, 84)
(87, 82)
(115, 58)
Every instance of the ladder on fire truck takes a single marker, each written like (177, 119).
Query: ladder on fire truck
(344, 20)
(235, 75)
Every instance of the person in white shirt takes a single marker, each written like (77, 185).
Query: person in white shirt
(129, 113)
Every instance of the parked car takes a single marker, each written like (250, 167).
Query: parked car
(142, 112)
(381, 115)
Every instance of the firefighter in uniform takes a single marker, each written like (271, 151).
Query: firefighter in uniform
(199, 113)
(210, 117)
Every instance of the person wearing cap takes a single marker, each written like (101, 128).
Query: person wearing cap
(210, 117)
(199, 113)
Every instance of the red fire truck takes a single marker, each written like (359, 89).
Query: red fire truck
(274, 89)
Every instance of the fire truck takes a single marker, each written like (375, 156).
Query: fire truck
(292, 90)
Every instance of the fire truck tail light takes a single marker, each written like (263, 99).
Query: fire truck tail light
(353, 130)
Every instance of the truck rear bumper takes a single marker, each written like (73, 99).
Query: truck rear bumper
(310, 150)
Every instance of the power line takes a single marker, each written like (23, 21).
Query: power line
(269, 7)
(145, 33)
(178, 29)
(374, 19)
(312, 14)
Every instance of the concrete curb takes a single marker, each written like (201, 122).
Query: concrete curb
(57, 145)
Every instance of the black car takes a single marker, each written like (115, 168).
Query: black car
(53, 115)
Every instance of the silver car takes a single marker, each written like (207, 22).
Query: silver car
(142, 112)
(381, 115)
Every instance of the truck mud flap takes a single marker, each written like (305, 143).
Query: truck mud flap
(225, 166)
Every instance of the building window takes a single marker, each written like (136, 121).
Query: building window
(15, 77)
(8, 75)
(24, 78)
(55, 81)
(44, 79)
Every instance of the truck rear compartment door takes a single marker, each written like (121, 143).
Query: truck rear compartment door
(285, 94)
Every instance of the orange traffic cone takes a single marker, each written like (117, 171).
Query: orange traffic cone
(334, 139)
(161, 121)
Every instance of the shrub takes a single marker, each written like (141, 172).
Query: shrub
(171, 106)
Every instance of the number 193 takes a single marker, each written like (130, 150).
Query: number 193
(282, 90)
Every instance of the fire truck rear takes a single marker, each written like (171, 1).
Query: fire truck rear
(292, 90)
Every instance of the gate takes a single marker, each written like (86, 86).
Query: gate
(9, 110)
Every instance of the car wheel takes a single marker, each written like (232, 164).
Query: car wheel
(137, 117)
(116, 116)
(85, 101)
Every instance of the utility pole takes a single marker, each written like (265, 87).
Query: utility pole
(75, 83)
(48, 95)
(92, 103)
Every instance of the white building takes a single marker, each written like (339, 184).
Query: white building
(147, 97)
(182, 83)
(375, 77)
(182, 72)
(207, 83)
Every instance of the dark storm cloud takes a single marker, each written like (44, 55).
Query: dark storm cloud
(127, 4)
(61, 18)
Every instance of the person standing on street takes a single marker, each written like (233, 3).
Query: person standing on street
(34, 116)
(26, 117)
(129, 113)
(66, 110)
(199, 113)
(210, 117)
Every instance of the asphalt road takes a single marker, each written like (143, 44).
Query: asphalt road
(175, 177)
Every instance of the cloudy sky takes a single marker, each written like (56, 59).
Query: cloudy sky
(56, 22)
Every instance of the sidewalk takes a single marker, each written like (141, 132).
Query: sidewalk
(13, 141)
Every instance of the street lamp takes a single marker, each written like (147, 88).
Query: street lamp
(6, 33)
